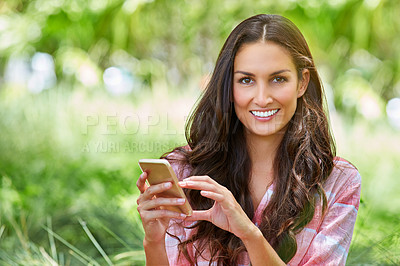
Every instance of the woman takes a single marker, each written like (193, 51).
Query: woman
(259, 168)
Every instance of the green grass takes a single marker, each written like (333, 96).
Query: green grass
(44, 172)
(375, 149)
(68, 168)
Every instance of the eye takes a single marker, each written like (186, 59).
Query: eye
(279, 79)
(246, 80)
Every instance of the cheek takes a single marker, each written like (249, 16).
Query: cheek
(240, 99)
(287, 97)
(288, 100)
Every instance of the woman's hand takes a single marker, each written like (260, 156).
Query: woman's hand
(226, 213)
(155, 220)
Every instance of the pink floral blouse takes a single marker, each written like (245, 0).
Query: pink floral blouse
(324, 241)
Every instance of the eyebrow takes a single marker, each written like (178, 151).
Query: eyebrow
(272, 74)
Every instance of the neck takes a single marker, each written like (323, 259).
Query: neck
(262, 150)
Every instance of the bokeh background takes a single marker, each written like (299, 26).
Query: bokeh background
(88, 87)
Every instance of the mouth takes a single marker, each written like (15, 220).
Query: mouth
(264, 114)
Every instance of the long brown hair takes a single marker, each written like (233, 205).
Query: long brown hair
(218, 148)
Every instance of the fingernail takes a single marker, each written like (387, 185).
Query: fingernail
(183, 215)
(204, 192)
(180, 200)
(167, 184)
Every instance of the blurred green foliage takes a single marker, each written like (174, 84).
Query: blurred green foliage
(70, 139)
(351, 39)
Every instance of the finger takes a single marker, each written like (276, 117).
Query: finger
(218, 197)
(158, 202)
(153, 190)
(159, 214)
(226, 201)
(200, 185)
(141, 182)
(204, 178)
(199, 215)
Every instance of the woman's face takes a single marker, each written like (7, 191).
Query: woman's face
(266, 88)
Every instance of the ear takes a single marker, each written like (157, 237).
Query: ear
(303, 83)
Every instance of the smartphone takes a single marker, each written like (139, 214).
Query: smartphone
(160, 171)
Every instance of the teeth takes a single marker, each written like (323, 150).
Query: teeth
(264, 114)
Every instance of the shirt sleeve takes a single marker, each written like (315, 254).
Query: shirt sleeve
(331, 242)
(172, 240)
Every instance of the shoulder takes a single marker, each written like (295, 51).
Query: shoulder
(178, 160)
(179, 154)
(343, 180)
(344, 171)
(326, 239)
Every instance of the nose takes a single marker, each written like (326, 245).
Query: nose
(262, 96)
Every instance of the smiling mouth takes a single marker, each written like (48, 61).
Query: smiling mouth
(264, 114)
